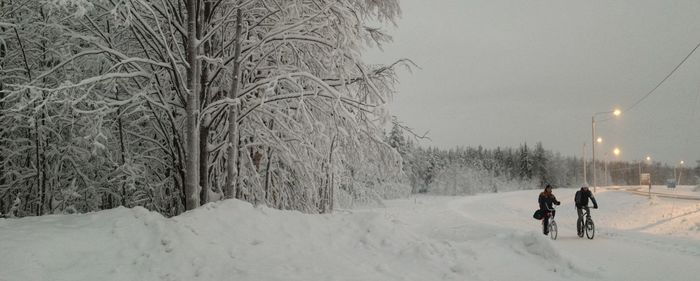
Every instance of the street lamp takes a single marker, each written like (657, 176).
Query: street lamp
(615, 112)
(648, 159)
(599, 140)
(640, 175)
(616, 152)
(678, 180)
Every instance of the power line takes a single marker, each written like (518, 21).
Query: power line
(664, 80)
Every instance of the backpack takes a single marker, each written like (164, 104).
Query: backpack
(577, 197)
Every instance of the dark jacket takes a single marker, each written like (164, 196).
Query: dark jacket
(547, 201)
(581, 198)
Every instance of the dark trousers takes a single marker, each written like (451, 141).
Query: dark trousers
(579, 211)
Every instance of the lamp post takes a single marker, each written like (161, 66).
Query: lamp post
(678, 180)
(615, 112)
(585, 179)
(616, 152)
(599, 140)
(640, 168)
(648, 158)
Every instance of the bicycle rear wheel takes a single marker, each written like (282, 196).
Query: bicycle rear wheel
(590, 229)
(553, 230)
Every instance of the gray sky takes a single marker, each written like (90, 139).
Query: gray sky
(500, 73)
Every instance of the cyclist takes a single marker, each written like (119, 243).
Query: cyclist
(546, 200)
(581, 201)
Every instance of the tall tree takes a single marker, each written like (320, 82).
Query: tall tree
(150, 103)
(539, 164)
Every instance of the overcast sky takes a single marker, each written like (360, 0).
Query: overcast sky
(500, 73)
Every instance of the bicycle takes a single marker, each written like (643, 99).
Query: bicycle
(553, 230)
(588, 226)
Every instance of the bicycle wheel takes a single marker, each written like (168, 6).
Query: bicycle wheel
(590, 229)
(553, 230)
(579, 227)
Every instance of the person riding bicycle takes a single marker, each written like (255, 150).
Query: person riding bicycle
(546, 200)
(581, 201)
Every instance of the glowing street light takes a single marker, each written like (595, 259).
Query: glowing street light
(616, 151)
(648, 159)
(615, 112)
(599, 140)
(678, 179)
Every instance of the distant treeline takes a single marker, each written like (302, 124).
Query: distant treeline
(467, 170)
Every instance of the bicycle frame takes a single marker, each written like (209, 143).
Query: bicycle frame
(587, 212)
(553, 229)
(552, 212)
(581, 223)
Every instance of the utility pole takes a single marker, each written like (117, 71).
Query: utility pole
(615, 112)
(593, 149)
(675, 177)
(585, 180)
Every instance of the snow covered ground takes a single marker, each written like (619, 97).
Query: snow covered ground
(483, 237)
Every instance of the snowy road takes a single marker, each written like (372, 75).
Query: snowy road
(661, 191)
(637, 238)
(483, 237)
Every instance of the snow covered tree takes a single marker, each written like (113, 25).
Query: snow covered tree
(539, 164)
(170, 105)
(397, 139)
(525, 163)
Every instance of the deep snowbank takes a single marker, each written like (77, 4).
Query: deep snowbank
(484, 237)
(230, 240)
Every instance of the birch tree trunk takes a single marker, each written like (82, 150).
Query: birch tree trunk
(192, 109)
(231, 163)
(3, 52)
(204, 128)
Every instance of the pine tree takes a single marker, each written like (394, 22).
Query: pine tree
(539, 164)
(525, 162)
(397, 140)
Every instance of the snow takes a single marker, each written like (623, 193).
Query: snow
(482, 237)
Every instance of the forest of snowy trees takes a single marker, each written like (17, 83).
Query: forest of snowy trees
(173, 104)
(467, 170)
